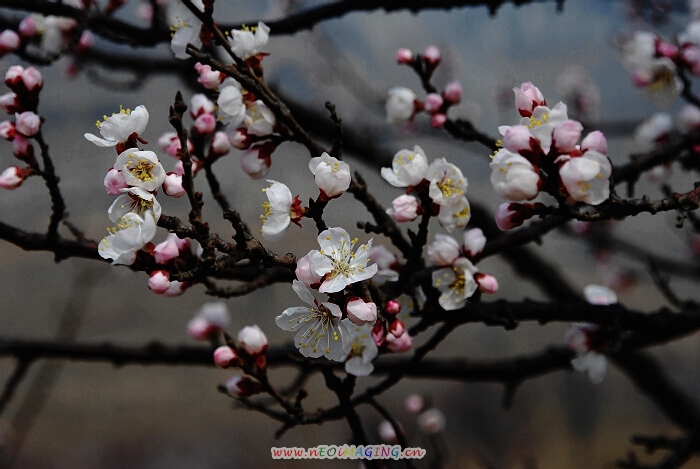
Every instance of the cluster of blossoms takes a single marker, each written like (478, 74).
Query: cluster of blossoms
(590, 340)
(440, 182)
(402, 104)
(654, 63)
(251, 125)
(21, 102)
(459, 278)
(542, 154)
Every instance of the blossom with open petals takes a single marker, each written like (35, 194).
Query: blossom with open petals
(455, 215)
(131, 234)
(134, 199)
(337, 262)
(408, 168)
(447, 184)
(587, 177)
(120, 127)
(280, 210)
(363, 349)
(249, 41)
(332, 176)
(185, 28)
(513, 176)
(141, 168)
(319, 330)
(456, 283)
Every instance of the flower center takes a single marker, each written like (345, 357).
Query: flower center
(535, 122)
(142, 169)
(105, 117)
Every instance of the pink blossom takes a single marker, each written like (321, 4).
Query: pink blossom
(414, 403)
(453, 92)
(172, 185)
(566, 135)
(378, 333)
(527, 98)
(239, 138)
(431, 421)
(361, 311)
(396, 328)
(510, 215)
(114, 182)
(209, 78)
(487, 283)
(12, 177)
(200, 104)
(27, 123)
(167, 250)
(392, 307)
(404, 56)
(404, 208)
(399, 344)
(256, 160)
(9, 41)
(305, 274)
(220, 144)
(595, 141)
(159, 281)
(27, 27)
(443, 250)
(9, 102)
(433, 102)
(242, 387)
(432, 56)
(225, 357)
(518, 138)
(7, 130)
(205, 124)
(438, 120)
(253, 340)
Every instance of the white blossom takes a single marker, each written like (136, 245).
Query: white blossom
(279, 208)
(131, 234)
(137, 200)
(455, 215)
(587, 178)
(513, 176)
(141, 168)
(399, 105)
(363, 349)
(447, 184)
(407, 169)
(456, 284)
(319, 330)
(249, 41)
(332, 176)
(337, 262)
(118, 127)
(184, 27)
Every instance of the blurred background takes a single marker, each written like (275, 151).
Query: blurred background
(94, 415)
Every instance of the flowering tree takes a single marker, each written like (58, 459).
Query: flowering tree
(375, 298)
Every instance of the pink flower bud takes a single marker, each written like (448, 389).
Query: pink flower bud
(474, 242)
(431, 421)
(114, 182)
(595, 141)
(144, 12)
(487, 283)
(518, 138)
(404, 208)
(253, 340)
(527, 98)
(200, 104)
(378, 333)
(438, 120)
(159, 281)
(404, 56)
(509, 215)
(169, 142)
(433, 103)
(453, 92)
(7, 130)
(172, 185)
(443, 250)
(9, 102)
(399, 344)
(27, 123)
(27, 27)
(304, 273)
(12, 177)
(239, 138)
(22, 148)
(13, 75)
(397, 328)
(566, 135)
(361, 311)
(205, 124)
(432, 57)
(242, 387)
(392, 307)
(199, 329)
(32, 80)
(225, 357)
(414, 403)
(209, 78)
(666, 50)
(220, 145)
(166, 251)
(9, 41)
(256, 161)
